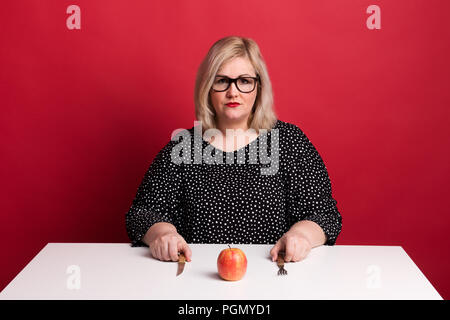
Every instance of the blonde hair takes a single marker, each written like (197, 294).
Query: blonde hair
(263, 115)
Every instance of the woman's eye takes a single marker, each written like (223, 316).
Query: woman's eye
(221, 81)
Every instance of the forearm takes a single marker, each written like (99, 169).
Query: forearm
(156, 230)
(311, 231)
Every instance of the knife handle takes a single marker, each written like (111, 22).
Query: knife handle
(181, 258)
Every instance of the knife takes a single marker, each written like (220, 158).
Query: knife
(181, 262)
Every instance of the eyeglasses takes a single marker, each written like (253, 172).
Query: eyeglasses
(243, 84)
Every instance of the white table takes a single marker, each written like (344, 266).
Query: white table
(118, 271)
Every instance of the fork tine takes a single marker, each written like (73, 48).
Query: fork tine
(282, 271)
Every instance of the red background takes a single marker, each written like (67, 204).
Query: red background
(83, 112)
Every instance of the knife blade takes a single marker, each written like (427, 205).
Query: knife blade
(181, 262)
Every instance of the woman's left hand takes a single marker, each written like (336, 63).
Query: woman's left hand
(295, 245)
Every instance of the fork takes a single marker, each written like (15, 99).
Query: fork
(280, 263)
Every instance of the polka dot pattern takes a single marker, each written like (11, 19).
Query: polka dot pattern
(235, 202)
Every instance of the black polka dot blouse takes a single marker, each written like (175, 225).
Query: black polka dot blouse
(235, 199)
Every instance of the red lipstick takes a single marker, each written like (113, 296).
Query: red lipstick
(233, 104)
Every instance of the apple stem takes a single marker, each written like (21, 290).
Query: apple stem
(229, 246)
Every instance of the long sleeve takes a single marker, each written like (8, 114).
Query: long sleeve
(158, 197)
(310, 194)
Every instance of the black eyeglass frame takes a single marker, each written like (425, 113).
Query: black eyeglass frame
(231, 80)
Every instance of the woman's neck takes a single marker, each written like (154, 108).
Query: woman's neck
(233, 136)
(234, 128)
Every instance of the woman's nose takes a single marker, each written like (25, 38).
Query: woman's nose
(232, 90)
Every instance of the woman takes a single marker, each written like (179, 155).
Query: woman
(291, 206)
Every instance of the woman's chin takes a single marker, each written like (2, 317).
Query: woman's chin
(234, 115)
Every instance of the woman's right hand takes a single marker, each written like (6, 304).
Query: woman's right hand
(165, 242)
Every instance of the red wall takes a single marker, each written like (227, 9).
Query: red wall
(83, 112)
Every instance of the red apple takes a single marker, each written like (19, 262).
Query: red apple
(232, 264)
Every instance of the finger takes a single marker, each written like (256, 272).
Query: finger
(290, 249)
(173, 250)
(184, 247)
(299, 252)
(150, 248)
(306, 251)
(165, 251)
(305, 248)
(153, 252)
(301, 255)
(158, 250)
(161, 251)
(276, 248)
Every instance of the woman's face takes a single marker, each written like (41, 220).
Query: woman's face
(231, 116)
